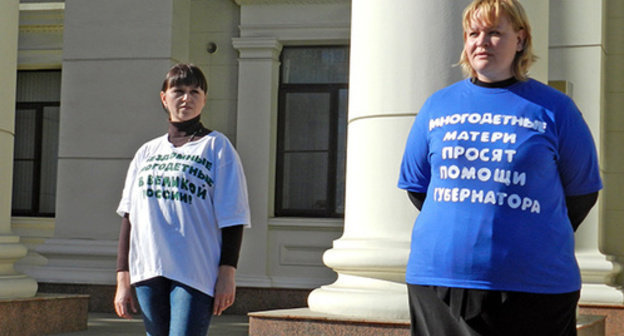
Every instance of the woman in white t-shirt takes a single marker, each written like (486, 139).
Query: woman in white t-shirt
(184, 206)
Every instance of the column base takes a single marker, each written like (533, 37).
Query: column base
(13, 284)
(361, 297)
(597, 273)
(17, 286)
(601, 294)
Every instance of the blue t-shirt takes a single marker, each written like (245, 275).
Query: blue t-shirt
(497, 164)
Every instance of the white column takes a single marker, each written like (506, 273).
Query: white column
(401, 52)
(577, 56)
(255, 142)
(612, 152)
(538, 13)
(12, 284)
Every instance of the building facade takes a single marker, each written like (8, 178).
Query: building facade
(317, 96)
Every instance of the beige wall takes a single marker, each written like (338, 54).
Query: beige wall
(217, 21)
(538, 12)
(115, 53)
(279, 252)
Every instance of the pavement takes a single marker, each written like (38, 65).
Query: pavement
(102, 324)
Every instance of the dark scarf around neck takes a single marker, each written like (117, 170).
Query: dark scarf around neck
(183, 132)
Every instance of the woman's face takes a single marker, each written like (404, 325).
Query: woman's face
(491, 50)
(183, 102)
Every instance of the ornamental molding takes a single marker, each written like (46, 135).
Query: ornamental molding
(39, 60)
(295, 26)
(257, 48)
(44, 6)
(292, 33)
(41, 28)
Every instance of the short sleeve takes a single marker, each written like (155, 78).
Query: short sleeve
(126, 201)
(415, 172)
(230, 198)
(578, 160)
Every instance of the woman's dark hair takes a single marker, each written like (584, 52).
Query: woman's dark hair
(185, 74)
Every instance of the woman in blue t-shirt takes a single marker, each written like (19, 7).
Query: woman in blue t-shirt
(503, 169)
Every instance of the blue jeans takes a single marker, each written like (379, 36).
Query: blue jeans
(171, 308)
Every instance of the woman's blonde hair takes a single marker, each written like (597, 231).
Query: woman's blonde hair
(489, 12)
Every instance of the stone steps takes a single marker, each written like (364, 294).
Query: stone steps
(303, 322)
(43, 314)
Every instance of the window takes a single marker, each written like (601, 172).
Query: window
(36, 143)
(312, 127)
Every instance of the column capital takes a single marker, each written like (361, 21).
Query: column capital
(257, 48)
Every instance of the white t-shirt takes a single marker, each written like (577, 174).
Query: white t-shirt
(178, 200)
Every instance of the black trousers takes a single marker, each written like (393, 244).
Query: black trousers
(444, 311)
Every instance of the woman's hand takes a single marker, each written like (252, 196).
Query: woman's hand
(123, 296)
(225, 289)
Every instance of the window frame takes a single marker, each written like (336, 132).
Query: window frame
(39, 108)
(333, 89)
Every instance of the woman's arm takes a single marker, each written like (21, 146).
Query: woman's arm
(124, 300)
(225, 289)
(232, 238)
(123, 247)
(579, 206)
(417, 199)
